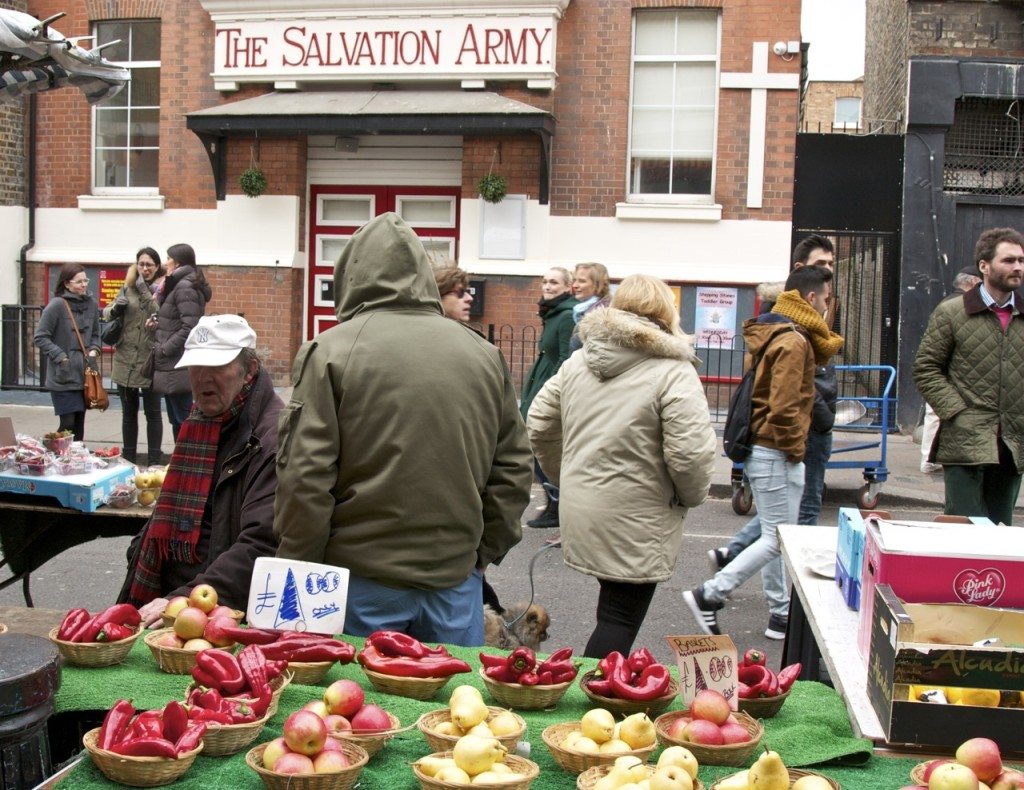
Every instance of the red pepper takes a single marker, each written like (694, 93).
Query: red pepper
(546, 678)
(211, 699)
(521, 660)
(147, 724)
(116, 723)
(209, 716)
(487, 660)
(72, 621)
(430, 667)
(601, 687)
(175, 720)
(397, 644)
(501, 674)
(341, 653)
(640, 659)
(146, 746)
(754, 656)
(263, 700)
(250, 636)
(120, 613)
(528, 679)
(276, 668)
(756, 676)
(224, 668)
(114, 632)
(191, 738)
(773, 685)
(788, 676)
(559, 655)
(254, 666)
(194, 693)
(606, 666)
(653, 682)
(204, 678)
(564, 672)
(743, 691)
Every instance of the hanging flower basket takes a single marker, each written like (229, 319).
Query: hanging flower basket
(253, 182)
(492, 188)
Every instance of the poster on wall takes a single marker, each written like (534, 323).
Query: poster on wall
(715, 320)
(104, 281)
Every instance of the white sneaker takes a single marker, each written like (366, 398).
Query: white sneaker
(930, 468)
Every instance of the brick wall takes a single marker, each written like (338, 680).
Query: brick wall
(12, 139)
(886, 52)
(515, 158)
(966, 28)
(820, 103)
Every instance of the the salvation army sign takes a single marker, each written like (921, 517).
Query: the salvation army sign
(382, 47)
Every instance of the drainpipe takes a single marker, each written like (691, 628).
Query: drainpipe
(23, 258)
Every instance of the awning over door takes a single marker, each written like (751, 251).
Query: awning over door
(350, 113)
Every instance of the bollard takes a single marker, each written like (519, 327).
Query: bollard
(29, 679)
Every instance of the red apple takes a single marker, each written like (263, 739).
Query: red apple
(214, 630)
(371, 718)
(203, 597)
(274, 750)
(330, 762)
(305, 732)
(170, 639)
(223, 611)
(293, 763)
(953, 776)
(981, 755)
(675, 729)
(336, 723)
(703, 732)
(710, 705)
(734, 733)
(332, 745)
(318, 706)
(1009, 780)
(931, 765)
(190, 623)
(197, 644)
(344, 697)
(175, 605)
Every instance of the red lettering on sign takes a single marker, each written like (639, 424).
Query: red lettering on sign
(294, 43)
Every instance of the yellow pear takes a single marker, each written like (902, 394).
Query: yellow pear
(452, 774)
(609, 782)
(638, 731)
(738, 781)
(671, 777)
(430, 765)
(636, 767)
(468, 711)
(570, 739)
(768, 773)
(504, 723)
(613, 746)
(474, 754)
(811, 783)
(447, 728)
(585, 745)
(501, 768)
(598, 725)
(464, 691)
(683, 757)
(493, 777)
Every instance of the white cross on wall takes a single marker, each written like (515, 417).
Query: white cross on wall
(758, 81)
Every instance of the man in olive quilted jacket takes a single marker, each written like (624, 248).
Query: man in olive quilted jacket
(970, 368)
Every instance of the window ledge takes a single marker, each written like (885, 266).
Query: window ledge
(121, 202)
(688, 212)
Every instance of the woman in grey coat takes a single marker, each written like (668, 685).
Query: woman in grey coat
(55, 337)
(134, 304)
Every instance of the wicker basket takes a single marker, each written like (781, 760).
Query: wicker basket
(371, 742)
(343, 780)
(278, 685)
(236, 615)
(794, 774)
(173, 660)
(224, 739)
(515, 695)
(587, 779)
(414, 688)
(763, 707)
(137, 771)
(94, 654)
(652, 707)
(309, 673)
(440, 743)
(525, 769)
(576, 762)
(731, 754)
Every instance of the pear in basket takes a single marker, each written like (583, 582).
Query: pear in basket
(474, 754)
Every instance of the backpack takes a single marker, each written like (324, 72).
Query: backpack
(736, 437)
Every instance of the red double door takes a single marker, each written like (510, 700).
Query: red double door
(336, 212)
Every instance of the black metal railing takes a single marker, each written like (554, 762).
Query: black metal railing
(22, 365)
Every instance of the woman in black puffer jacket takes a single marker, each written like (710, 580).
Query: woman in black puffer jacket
(182, 303)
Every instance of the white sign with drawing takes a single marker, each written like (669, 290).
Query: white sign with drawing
(715, 321)
(289, 595)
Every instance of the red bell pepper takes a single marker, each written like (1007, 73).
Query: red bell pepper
(653, 682)
(521, 660)
(250, 636)
(773, 685)
(559, 655)
(788, 676)
(114, 632)
(147, 724)
(210, 699)
(545, 678)
(116, 723)
(204, 678)
(145, 746)
(501, 673)
(601, 686)
(175, 720)
(430, 667)
(341, 653)
(224, 668)
(606, 666)
(396, 644)
(276, 668)
(72, 621)
(754, 656)
(528, 679)
(640, 659)
(209, 716)
(757, 677)
(487, 660)
(191, 738)
(120, 613)
(564, 672)
(743, 691)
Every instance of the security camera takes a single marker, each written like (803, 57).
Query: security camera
(779, 48)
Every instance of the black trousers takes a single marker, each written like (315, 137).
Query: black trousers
(153, 409)
(621, 609)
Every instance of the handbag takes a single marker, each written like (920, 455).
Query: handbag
(111, 331)
(95, 394)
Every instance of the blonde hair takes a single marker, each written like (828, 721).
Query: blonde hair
(563, 273)
(599, 274)
(649, 298)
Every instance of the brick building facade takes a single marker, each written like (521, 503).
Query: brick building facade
(13, 214)
(653, 136)
(820, 110)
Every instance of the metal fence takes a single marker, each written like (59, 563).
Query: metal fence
(22, 365)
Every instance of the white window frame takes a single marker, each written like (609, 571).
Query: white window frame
(666, 197)
(836, 123)
(401, 200)
(330, 197)
(131, 64)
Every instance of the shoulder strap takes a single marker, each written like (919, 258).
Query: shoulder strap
(74, 324)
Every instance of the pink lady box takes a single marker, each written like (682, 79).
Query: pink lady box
(927, 562)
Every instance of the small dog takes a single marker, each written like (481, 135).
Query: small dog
(528, 631)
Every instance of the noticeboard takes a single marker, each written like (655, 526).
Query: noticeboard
(714, 316)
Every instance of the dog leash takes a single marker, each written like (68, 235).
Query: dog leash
(554, 544)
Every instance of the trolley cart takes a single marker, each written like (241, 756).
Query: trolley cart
(862, 429)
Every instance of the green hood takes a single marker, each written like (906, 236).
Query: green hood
(384, 266)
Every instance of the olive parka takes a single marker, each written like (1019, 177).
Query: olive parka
(402, 455)
(134, 304)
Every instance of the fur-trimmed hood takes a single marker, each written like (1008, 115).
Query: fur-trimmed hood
(615, 341)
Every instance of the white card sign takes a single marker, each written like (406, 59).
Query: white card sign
(289, 595)
(705, 662)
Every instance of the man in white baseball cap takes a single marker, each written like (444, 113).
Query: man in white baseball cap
(215, 513)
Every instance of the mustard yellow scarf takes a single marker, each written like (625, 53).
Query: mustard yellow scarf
(824, 341)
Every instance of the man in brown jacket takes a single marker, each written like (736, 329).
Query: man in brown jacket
(789, 341)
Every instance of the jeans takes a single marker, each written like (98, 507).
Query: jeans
(130, 397)
(777, 486)
(988, 490)
(178, 407)
(454, 615)
(621, 609)
(819, 449)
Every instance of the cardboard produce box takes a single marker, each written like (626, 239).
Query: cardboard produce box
(940, 562)
(933, 645)
(85, 492)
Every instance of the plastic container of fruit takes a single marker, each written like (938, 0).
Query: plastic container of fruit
(94, 654)
(372, 742)
(525, 772)
(137, 771)
(345, 779)
(652, 707)
(575, 761)
(440, 742)
(122, 496)
(590, 777)
(147, 497)
(794, 774)
(520, 697)
(728, 754)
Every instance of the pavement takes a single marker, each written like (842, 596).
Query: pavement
(904, 486)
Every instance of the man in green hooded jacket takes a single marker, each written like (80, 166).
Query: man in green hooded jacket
(402, 455)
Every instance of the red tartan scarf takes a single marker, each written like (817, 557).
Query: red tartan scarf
(173, 529)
